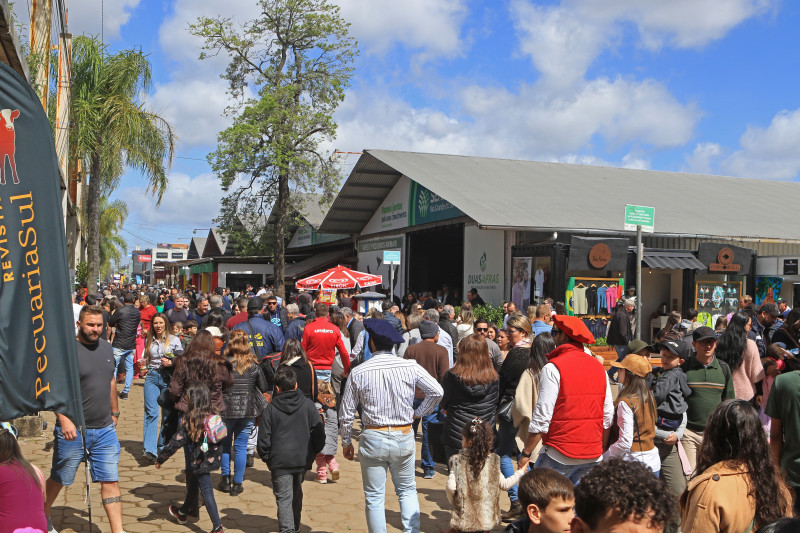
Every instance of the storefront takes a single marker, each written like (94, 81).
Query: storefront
(507, 229)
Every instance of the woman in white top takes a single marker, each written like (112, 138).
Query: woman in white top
(635, 415)
(465, 321)
(161, 348)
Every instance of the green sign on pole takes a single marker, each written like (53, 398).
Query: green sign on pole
(638, 215)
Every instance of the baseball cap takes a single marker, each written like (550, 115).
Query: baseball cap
(637, 345)
(636, 364)
(428, 329)
(679, 348)
(702, 333)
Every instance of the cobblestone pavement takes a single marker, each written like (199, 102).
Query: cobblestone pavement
(147, 492)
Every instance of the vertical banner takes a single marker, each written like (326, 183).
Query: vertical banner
(484, 263)
(521, 289)
(38, 362)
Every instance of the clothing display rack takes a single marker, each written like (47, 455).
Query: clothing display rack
(593, 297)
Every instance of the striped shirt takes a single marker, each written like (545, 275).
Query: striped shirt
(709, 388)
(384, 386)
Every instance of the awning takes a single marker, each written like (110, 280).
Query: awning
(672, 260)
(314, 264)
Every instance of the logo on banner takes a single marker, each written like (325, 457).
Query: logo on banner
(8, 144)
(599, 255)
(725, 262)
(424, 203)
(482, 262)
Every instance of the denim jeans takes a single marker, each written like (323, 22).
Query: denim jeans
(203, 482)
(154, 383)
(428, 465)
(241, 428)
(288, 490)
(121, 355)
(323, 375)
(572, 472)
(379, 451)
(505, 449)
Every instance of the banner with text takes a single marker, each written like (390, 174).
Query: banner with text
(38, 357)
(370, 259)
(484, 263)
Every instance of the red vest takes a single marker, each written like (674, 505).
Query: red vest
(576, 429)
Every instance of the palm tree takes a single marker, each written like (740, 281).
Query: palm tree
(114, 130)
(112, 245)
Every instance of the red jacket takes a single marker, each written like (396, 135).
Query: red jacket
(576, 429)
(321, 339)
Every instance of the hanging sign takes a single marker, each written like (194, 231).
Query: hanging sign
(639, 215)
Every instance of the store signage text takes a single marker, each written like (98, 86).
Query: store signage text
(725, 262)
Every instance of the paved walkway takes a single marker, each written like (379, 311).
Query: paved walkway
(147, 492)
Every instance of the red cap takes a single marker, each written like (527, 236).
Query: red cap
(574, 328)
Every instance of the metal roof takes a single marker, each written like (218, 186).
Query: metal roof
(313, 264)
(512, 194)
(672, 260)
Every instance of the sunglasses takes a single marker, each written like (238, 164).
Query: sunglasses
(272, 303)
(7, 426)
(481, 329)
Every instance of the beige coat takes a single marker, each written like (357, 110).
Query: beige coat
(718, 500)
(524, 402)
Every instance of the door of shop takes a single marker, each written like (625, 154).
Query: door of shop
(436, 258)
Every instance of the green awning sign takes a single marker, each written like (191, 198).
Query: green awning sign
(638, 215)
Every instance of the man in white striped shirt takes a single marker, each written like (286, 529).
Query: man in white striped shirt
(385, 386)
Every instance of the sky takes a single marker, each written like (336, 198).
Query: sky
(706, 86)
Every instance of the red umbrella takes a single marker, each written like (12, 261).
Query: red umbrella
(339, 278)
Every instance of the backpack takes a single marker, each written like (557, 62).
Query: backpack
(214, 430)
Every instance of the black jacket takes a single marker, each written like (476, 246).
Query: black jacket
(295, 329)
(619, 332)
(463, 403)
(126, 319)
(394, 321)
(355, 327)
(291, 433)
(514, 365)
(240, 399)
(280, 314)
(451, 330)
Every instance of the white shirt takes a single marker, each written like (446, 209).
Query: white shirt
(447, 341)
(549, 385)
(157, 350)
(622, 448)
(385, 386)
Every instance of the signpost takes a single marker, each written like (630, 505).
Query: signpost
(391, 258)
(639, 218)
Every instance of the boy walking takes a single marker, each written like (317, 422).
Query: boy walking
(290, 435)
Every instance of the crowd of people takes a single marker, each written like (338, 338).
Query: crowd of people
(703, 437)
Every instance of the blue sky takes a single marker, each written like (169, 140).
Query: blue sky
(705, 86)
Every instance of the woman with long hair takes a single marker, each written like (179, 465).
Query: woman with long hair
(635, 415)
(519, 332)
(789, 332)
(470, 390)
(21, 486)
(201, 362)
(670, 331)
(742, 356)
(160, 350)
(465, 321)
(294, 356)
(737, 487)
(244, 401)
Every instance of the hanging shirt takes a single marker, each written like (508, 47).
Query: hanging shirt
(601, 299)
(580, 303)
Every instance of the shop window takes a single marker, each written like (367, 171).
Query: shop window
(716, 298)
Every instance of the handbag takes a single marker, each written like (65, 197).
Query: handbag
(165, 400)
(436, 443)
(504, 409)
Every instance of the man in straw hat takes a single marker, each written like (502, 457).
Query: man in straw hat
(574, 410)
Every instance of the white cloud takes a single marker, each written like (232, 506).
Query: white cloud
(704, 158)
(188, 202)
(194, 107)
(430, 26)
(563, 40)
(88, 16)
(496, 122)
(770, 153)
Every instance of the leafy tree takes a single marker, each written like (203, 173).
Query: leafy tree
(287, 74)
(112, 245)
(114, 130)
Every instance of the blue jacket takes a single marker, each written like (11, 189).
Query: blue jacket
(295, 329)
(265, 337)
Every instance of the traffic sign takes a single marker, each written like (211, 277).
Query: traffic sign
(391, 257)
(638, 215)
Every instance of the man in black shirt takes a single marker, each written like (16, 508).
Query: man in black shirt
(126, 319)
(101, 412)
